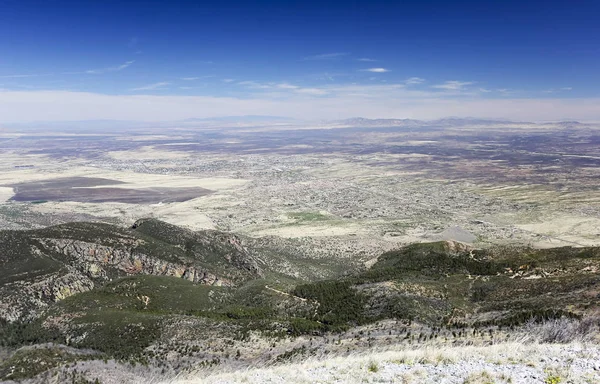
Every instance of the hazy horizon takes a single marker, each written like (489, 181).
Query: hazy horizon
(151, 61)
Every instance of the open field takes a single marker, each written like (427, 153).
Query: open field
(97, 190)
(380, 186)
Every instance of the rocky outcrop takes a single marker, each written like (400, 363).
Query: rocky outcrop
(25, 299)
(208, 246)
(78, 257)
(103, 263)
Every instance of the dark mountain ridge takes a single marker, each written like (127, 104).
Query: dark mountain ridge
(43, 266)
(144, 293)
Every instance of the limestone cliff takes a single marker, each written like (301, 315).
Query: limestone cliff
(40, 267)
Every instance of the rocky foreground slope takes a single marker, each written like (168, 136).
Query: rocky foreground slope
(82, 300)
(513, 363)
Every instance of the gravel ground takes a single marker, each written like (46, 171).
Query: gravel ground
(506, 363)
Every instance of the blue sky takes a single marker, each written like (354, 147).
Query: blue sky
(308, 59)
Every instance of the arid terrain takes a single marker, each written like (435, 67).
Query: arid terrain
(198, 251)
(366, 184)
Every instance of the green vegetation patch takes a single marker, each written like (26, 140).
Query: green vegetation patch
(122, 335)
(18, 333)
(125, 316)
(167, 294)
(443, 284)
(27, 363)
(148, 294)
(18, 260)
(338, 303)
(302, 217)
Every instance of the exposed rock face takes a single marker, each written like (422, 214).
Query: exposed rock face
(204, 245)
(453, 246)
(24, 299)
(77, 257)
(101, 263)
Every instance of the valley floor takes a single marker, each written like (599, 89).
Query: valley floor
(500, 363)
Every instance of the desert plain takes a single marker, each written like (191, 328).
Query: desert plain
(366, 184)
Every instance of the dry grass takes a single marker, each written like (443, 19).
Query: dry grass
(546, 349)
(562, 330)
(410, 366)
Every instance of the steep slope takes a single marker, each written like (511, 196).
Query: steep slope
(39, 267)
(449, 283)
(164, 296)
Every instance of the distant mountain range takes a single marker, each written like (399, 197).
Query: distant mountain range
(110, 126)
(450, 121)
(245, 118)
(445, 122)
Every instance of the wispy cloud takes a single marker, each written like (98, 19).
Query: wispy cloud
(121, 67)
(105, 70)
(228, 80)
(366, 59)
(23, 76)
(111, 69)
(193, 78)
(376, 70)
(255, 84)
(150, 87)
(287, 86)
(485, 90)
(453, 85)
(311, 91)
(414, 81)
(326, 56)
(554, 90)
(278, 88)
(506, 92)
(381, 101)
